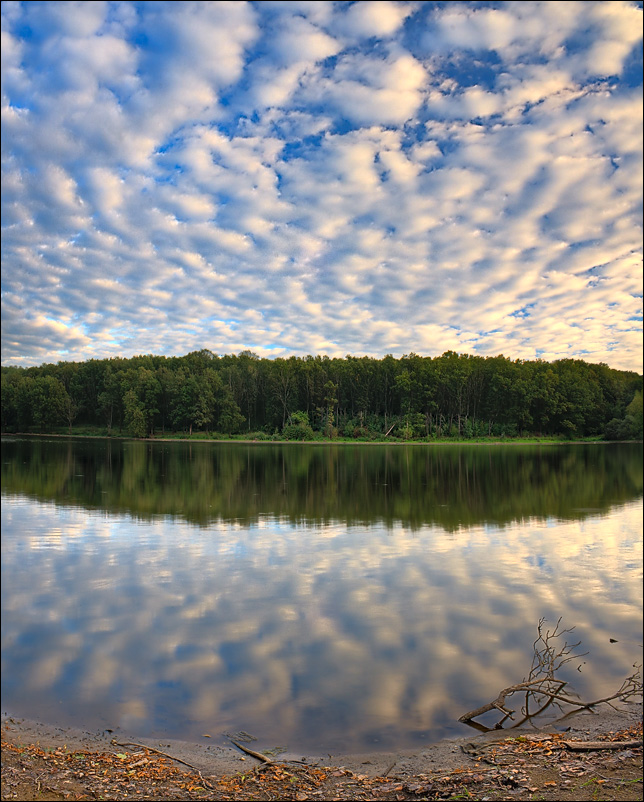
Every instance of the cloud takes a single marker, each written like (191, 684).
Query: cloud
(472, 29)
(202, 42)
(310, 165)
(618, 25)
(298, 41)
(372, 18)
(370, 91)
(75, 19)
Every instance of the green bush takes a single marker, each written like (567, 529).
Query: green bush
(298, 427)
(258, 436)
(628, 428)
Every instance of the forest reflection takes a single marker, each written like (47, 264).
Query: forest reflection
(449, 486)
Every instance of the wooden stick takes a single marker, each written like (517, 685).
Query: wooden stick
(257, 755)
(151, 749)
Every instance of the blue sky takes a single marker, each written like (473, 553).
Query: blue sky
(322, 178)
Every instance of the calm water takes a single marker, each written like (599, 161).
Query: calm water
(320, 597)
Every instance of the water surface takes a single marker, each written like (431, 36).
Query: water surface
(320, 597)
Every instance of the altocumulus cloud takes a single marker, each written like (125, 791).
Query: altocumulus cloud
(320, 177)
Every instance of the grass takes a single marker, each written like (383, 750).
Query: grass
(263, 437)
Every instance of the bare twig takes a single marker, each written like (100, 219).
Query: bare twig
(151, 749)
(549, 655)
(163, 754)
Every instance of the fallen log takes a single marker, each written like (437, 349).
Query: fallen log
(595, 746)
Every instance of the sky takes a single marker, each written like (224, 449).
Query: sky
(296, 178)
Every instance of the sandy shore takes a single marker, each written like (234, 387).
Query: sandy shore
(586, 757)
(224, 758)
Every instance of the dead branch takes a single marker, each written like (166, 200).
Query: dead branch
(542, 687)
(499, 702)
(252, 753)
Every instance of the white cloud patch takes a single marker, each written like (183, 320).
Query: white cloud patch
(368, 178)
(371, 91)
(372, 18)
(298, 41)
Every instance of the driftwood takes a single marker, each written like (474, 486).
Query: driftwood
(499, 702)
(596, 746)
(542, 689)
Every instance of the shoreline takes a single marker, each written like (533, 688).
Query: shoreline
(517, 441)
(594, 756)
(219, 755)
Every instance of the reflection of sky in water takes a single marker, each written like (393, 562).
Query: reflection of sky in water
(324, 636)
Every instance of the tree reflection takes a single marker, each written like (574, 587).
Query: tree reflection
(451, 486)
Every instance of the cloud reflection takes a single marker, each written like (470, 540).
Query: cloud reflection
(324, 637)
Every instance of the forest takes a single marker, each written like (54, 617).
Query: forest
(457, 396)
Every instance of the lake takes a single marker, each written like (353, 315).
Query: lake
(320, 597)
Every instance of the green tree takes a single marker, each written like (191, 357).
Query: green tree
(110, 399)
(330, 400)
(184, 402)
(11, 378)
(631, 426)
(134, 414)
(635, 408)
(41, 402)
(404, 386)
(283, 384)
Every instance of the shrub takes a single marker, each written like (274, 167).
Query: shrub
(298, 427)
(257, 436)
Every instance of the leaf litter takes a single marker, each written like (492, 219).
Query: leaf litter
(534, 766)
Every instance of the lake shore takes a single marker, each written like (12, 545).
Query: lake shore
(527, 763)
(541, 441)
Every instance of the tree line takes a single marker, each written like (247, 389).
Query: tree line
(312, 397)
